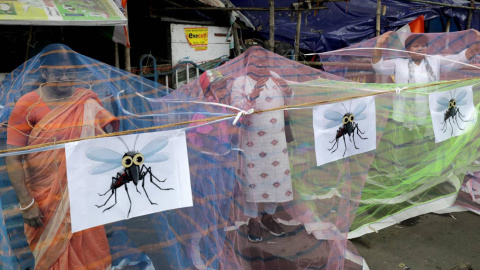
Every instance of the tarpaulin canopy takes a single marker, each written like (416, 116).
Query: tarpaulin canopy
(346, 23)
(72, 12)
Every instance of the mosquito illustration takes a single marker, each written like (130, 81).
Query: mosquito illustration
(134, 169)
(349, 126)
(452, 111)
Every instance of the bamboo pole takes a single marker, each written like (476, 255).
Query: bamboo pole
(128, 64)
(117, 57)
(297, 36)
(470, 14)
(236, 40)
(378, 17)
(272, 26)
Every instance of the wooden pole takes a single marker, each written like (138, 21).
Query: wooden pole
(447, 27)
(117, 57)
(236, 40)
(297, 37)
(379, 16)
(272, 26)
(128, 64)
(470, 14)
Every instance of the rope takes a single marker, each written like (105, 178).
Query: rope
(211, 119)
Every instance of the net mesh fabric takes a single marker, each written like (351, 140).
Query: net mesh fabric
(317, 206)
(411, 174)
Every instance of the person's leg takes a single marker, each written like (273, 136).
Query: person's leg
(270, 208)
(250, 209)
(267, 221)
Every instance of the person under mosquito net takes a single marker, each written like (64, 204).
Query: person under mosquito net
(61, 108)
(265, 168)
(417, 67)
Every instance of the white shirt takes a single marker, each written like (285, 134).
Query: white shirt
(416, 112)
(399, 67)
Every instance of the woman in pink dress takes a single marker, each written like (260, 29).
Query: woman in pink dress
(265, 168)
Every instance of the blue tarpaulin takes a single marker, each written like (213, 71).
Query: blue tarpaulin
(346, 23)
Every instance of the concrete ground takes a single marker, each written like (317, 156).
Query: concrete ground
(436, 242)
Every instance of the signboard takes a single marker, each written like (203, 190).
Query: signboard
(61, 12)
(197, 37)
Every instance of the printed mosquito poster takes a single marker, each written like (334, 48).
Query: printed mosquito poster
(111, 179)
(453, 112)
(344, 129)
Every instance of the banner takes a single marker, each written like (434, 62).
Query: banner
(197, 37)
(111, 179)
(67, 12)
(415, 26)
(120, 33)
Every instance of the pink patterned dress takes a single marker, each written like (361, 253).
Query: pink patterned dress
(264, 168)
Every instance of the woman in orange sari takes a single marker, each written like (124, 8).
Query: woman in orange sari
(56, 111)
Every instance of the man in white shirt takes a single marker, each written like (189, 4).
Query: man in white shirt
(417, 67)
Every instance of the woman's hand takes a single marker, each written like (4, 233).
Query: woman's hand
(383, 38)
(477, 42)
(474, 49)
(33, 217)
(377, 53)
(282, 84)
(259, 86)
(476, 33)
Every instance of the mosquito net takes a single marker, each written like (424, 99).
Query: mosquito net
(423, 150)
(285, 162)
(60, 95)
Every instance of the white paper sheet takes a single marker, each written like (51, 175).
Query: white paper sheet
(453, 125)
(328, 126)
(91, 164)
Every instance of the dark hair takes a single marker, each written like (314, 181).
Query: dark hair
(415, 38)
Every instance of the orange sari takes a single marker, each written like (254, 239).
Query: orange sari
(53, 245)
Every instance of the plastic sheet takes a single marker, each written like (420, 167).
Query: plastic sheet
(346, 23)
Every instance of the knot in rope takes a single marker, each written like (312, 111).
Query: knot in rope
(242, 113)
(398, 90)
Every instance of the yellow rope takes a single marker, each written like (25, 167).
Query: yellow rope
(308, 104)
(29, 147)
